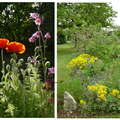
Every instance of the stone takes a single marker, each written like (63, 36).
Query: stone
(69, 102)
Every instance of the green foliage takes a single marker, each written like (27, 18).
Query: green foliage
(25, 99)
(95, 41)
(76, 16)
(70, 14)
(60, 37)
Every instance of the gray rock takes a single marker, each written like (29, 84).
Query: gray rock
(69, 102)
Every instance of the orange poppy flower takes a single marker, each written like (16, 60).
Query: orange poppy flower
(3, 43)
(16, 47)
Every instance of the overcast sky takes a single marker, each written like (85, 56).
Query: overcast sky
(116, 7)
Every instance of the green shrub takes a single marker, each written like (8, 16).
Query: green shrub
(60, 37)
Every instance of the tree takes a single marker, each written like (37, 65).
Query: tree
(77, 15)
(69, 14)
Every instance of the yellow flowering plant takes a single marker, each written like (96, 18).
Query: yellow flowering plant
(100, 97)
(100, 90)
(82, 102)
(82, 61)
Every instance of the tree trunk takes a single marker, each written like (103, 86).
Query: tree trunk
(75, 40)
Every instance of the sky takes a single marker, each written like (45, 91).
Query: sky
(116, 7)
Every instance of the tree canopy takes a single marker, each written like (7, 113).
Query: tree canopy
(78, 14)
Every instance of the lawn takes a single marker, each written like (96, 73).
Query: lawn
(63, 57)
(75, 85)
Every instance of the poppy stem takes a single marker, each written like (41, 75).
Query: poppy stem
(2, 61)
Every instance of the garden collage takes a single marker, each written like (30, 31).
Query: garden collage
(59, 60)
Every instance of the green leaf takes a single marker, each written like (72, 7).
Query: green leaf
(14, 87)
(114, 108)
(10, 109)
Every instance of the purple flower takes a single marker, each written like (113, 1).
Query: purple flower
(47, 35)
(33, 61)
(51, 70)
(38, 21)
(32, 39)
(36, 34)
(34, 15)
(89, 64)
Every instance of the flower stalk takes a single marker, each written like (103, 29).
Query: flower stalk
(43, 61)
(2, 62)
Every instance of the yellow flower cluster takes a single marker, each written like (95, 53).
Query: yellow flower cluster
(100, 89)
(114, 92)
(82, 102)
(81, 61)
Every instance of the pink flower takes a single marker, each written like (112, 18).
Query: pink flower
(38, 21)
(51, 70)
(43, 88)
(48, 88)
(34, 15)
(50, 100)
(47, 35)
(49, 74)
(43, 19)
(32, 39)
(48, 82)
(36, 34)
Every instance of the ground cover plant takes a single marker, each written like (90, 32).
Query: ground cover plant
(32, 96)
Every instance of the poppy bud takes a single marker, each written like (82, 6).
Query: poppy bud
(14, 56)
(3, 78)
(12, 61)
(36, 49)
(28, 59)
(47, 64)
(8, 67)
(21, 61)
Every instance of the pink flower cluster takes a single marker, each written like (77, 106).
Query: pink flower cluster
(49, 84)
(37, 21)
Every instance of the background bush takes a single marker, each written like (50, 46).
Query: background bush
(61, 37)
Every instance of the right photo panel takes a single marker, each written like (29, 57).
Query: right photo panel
(88, 60)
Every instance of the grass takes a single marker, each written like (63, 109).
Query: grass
(64, 55)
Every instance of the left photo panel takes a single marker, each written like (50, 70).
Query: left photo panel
(27, 59)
